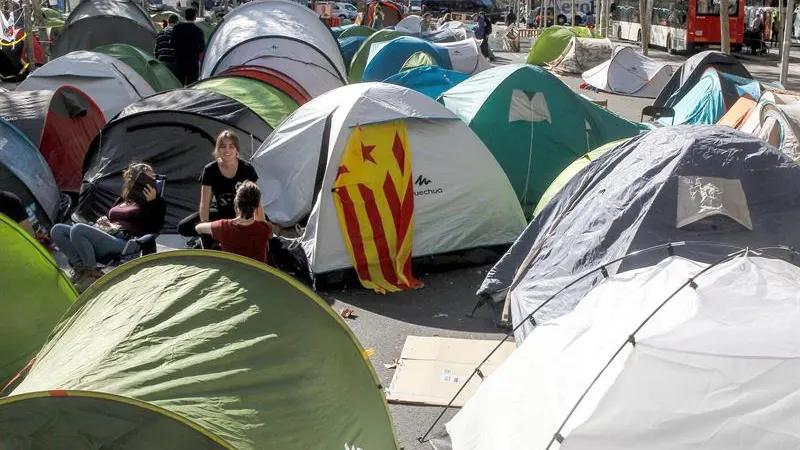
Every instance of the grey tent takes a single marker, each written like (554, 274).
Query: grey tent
(94, 23)
(692, 70)
(684, 183)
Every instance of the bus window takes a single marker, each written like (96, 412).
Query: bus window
(711, 7)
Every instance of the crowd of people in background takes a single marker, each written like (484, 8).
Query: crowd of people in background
(180, 46)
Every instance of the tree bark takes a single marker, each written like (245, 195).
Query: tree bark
(787, 42)
(644, 21)
(601, 17)
(724, 27)
(29, 26)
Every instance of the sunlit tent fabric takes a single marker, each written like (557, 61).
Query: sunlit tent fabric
(273, 78)
(552, 42)
(349, 46)
(410, 24)
(710, 369)
(112, 84)
(711, 97)
(198, 352)
(36, 293)
(420, 59)
(465, 56)
(629, 73)
(102, 22)
(157, 75)
(683, 183)
(388, 58)
(61, 123)
(582, 54)
(24, 172)
(280, 35)
(428, 80)
(533, 124)
(361, 57)
(355, 30)
(175, 131)
(776, 119)
(690, 72)
(457, 27)
(298, 164)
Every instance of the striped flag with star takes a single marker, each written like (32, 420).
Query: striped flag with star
(374, 197)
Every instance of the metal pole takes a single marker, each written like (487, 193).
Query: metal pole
(543, 14)
(787, 42)
(724, 27)
(572, 12)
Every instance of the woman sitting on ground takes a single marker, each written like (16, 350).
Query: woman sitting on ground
(219, 180)
(249, 233)
(137, 213)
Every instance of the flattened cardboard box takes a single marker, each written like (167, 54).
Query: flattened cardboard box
(432, 369)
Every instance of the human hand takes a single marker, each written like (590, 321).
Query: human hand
(150, 193)
(103, 221)
(259, 214)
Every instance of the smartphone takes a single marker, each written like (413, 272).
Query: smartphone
(142, 181)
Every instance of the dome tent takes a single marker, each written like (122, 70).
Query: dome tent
(710, 98)
(451, 212)
(349, 46)
(102, 22)
(280, 35)
(158, 76)
(582, 54)
(552, 42)
(360, 58)
(272, 78)
(629, 73)
(690, 72)
(387, 58)
(428, 80)
(197, 352)
(680, 354)
(35, 295)
(681, 183)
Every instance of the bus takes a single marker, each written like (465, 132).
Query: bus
(682, 25)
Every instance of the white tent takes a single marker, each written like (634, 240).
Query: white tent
(582, 54)
(457, 25)
(281, 35)
(462, 198)
(465, 56)
(714, 368)
(112, 84)
(776, 119)
(629, 73)
(410, 24)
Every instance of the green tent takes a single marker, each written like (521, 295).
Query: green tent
(270, 103)
(356, 30)
(53, 18)
(199, 350)
(552, 42)
(157, 75)
(37, 293)
(418, 59)
(570, 171)
(359, 61)
(533, 124)
(206, 27)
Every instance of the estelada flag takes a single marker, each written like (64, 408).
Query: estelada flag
(374, 197)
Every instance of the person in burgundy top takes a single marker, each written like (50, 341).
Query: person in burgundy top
(247, 234)
(132, 216)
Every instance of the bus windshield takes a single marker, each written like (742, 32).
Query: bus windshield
(711, 7)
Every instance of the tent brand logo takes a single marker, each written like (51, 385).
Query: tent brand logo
(351, 447)
(422, 182)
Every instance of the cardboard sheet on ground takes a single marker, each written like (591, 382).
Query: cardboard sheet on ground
(432, 369)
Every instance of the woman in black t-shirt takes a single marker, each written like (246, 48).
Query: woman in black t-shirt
(219, 180)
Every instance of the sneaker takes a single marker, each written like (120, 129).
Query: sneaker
(194, 243)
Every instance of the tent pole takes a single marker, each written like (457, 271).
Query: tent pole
(787, 42)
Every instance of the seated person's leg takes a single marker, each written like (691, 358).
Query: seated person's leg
(93, 244)
(186, 226)
(61, 236)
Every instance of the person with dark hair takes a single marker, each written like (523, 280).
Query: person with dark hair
(247, 234)
(164, 51)
(137, 213)
(12, 206)
(189, 44)
(219, 180)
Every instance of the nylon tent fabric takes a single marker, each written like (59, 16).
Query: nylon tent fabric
(529, 120)
(552, 42)
(581, 55)
(428, 80)
(349, 46)
(387, 58)
(112, 84)
(451, 212)
(273, 78)
(780, 126)
(94, 23)
(37, 293)
(175, 131)
(281, 35)
(24, 172)
(355, 30)
(157, 75)
(725, 346)
(61, 123)
(710, 98)
(419, 59)
(410, 24)
(445, 34)
(674, 184)
(465, 56)
(204, 337)
(359, 61)
(692, 70)
(629, 73)
(271, 104)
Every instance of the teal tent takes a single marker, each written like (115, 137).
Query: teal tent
(429, 80)
(552, 42)
(533, 124)
(711, 97)
(388, 58)
(157, 75)
(199, 350)
(361, 57)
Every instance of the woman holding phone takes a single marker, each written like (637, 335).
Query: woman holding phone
(219, 180)
(138, 212)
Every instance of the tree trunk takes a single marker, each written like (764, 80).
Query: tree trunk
(543, 15)
(787, 42)
(27, 20)
(601, 17)
(724, 27)
(644, 21)
(572, 13)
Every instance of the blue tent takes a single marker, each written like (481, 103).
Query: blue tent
(24, 172)
(429, 80)
(712, 96)
(390, 57)
(349, 46)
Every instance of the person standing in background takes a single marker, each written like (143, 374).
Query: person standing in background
(189, 44)
(774, 33)
(164, 51)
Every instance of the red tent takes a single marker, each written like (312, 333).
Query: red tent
(273, 78)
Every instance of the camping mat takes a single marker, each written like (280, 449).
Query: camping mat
(432, 369)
